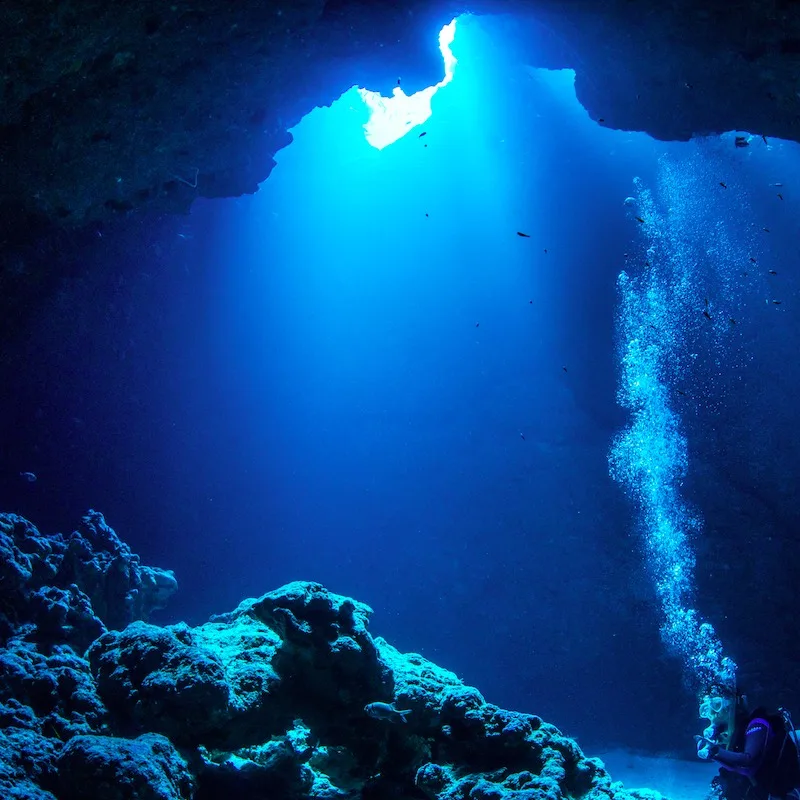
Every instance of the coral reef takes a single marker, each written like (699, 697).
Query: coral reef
(265, 701)
(74, 586)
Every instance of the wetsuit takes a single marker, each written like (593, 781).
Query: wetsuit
(756, 741)
(768, 757)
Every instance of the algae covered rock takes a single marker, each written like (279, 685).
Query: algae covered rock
(120, 587)
(268, 700)
(146, 768)
(74, 587)
(197, 686)
(327, 661)
(244, 676)
(27, 764)
(272, 695)
(277, 768)
(48, 618)
(53, 694)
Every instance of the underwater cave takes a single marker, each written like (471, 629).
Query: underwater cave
(441, 359)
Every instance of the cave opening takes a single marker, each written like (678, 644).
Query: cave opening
(393, 117)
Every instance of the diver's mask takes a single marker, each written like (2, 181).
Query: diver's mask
(720, 711)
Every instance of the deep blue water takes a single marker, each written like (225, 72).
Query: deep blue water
(363, 376)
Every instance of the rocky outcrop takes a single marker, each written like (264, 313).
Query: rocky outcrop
(59, 594)
(52, 694)
(71, 588)
(268, 700)
(145, 768)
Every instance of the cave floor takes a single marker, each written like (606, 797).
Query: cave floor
(674, 778)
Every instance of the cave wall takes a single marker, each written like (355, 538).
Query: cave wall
(109, 108)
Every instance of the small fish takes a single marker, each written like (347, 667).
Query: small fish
(745, 273)
(764, 139)
(386, 712)
(773, 272)
(681, 392)
(776, 184)
(531, 302)
(776, 302)
(780, 195)
(398, 81)
(732, 321)
(741, 141)
(766, 230)
(601, 120)
(426, 214)
(545, 251)
(639, 219)
(723, 184)
(647, 263)
(564, 368)
(28, 476)
(477, 324)
(706, 301)
(424, 133)
(688, 85)
(752, 260)
(522, 436)
(523, 235)
(707, 315)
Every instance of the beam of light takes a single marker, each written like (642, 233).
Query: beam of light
(393, 117)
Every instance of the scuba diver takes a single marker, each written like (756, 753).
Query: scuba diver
(757, 750)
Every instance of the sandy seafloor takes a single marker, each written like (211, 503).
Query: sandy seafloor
(677, 779)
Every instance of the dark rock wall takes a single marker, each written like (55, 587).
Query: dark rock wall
(109, 109)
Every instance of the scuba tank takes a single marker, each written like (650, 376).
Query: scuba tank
(789, 734)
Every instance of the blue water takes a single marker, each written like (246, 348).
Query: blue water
(363, 376)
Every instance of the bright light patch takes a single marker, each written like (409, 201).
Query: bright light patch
(393, 117)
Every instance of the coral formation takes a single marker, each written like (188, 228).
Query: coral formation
(265, 701)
